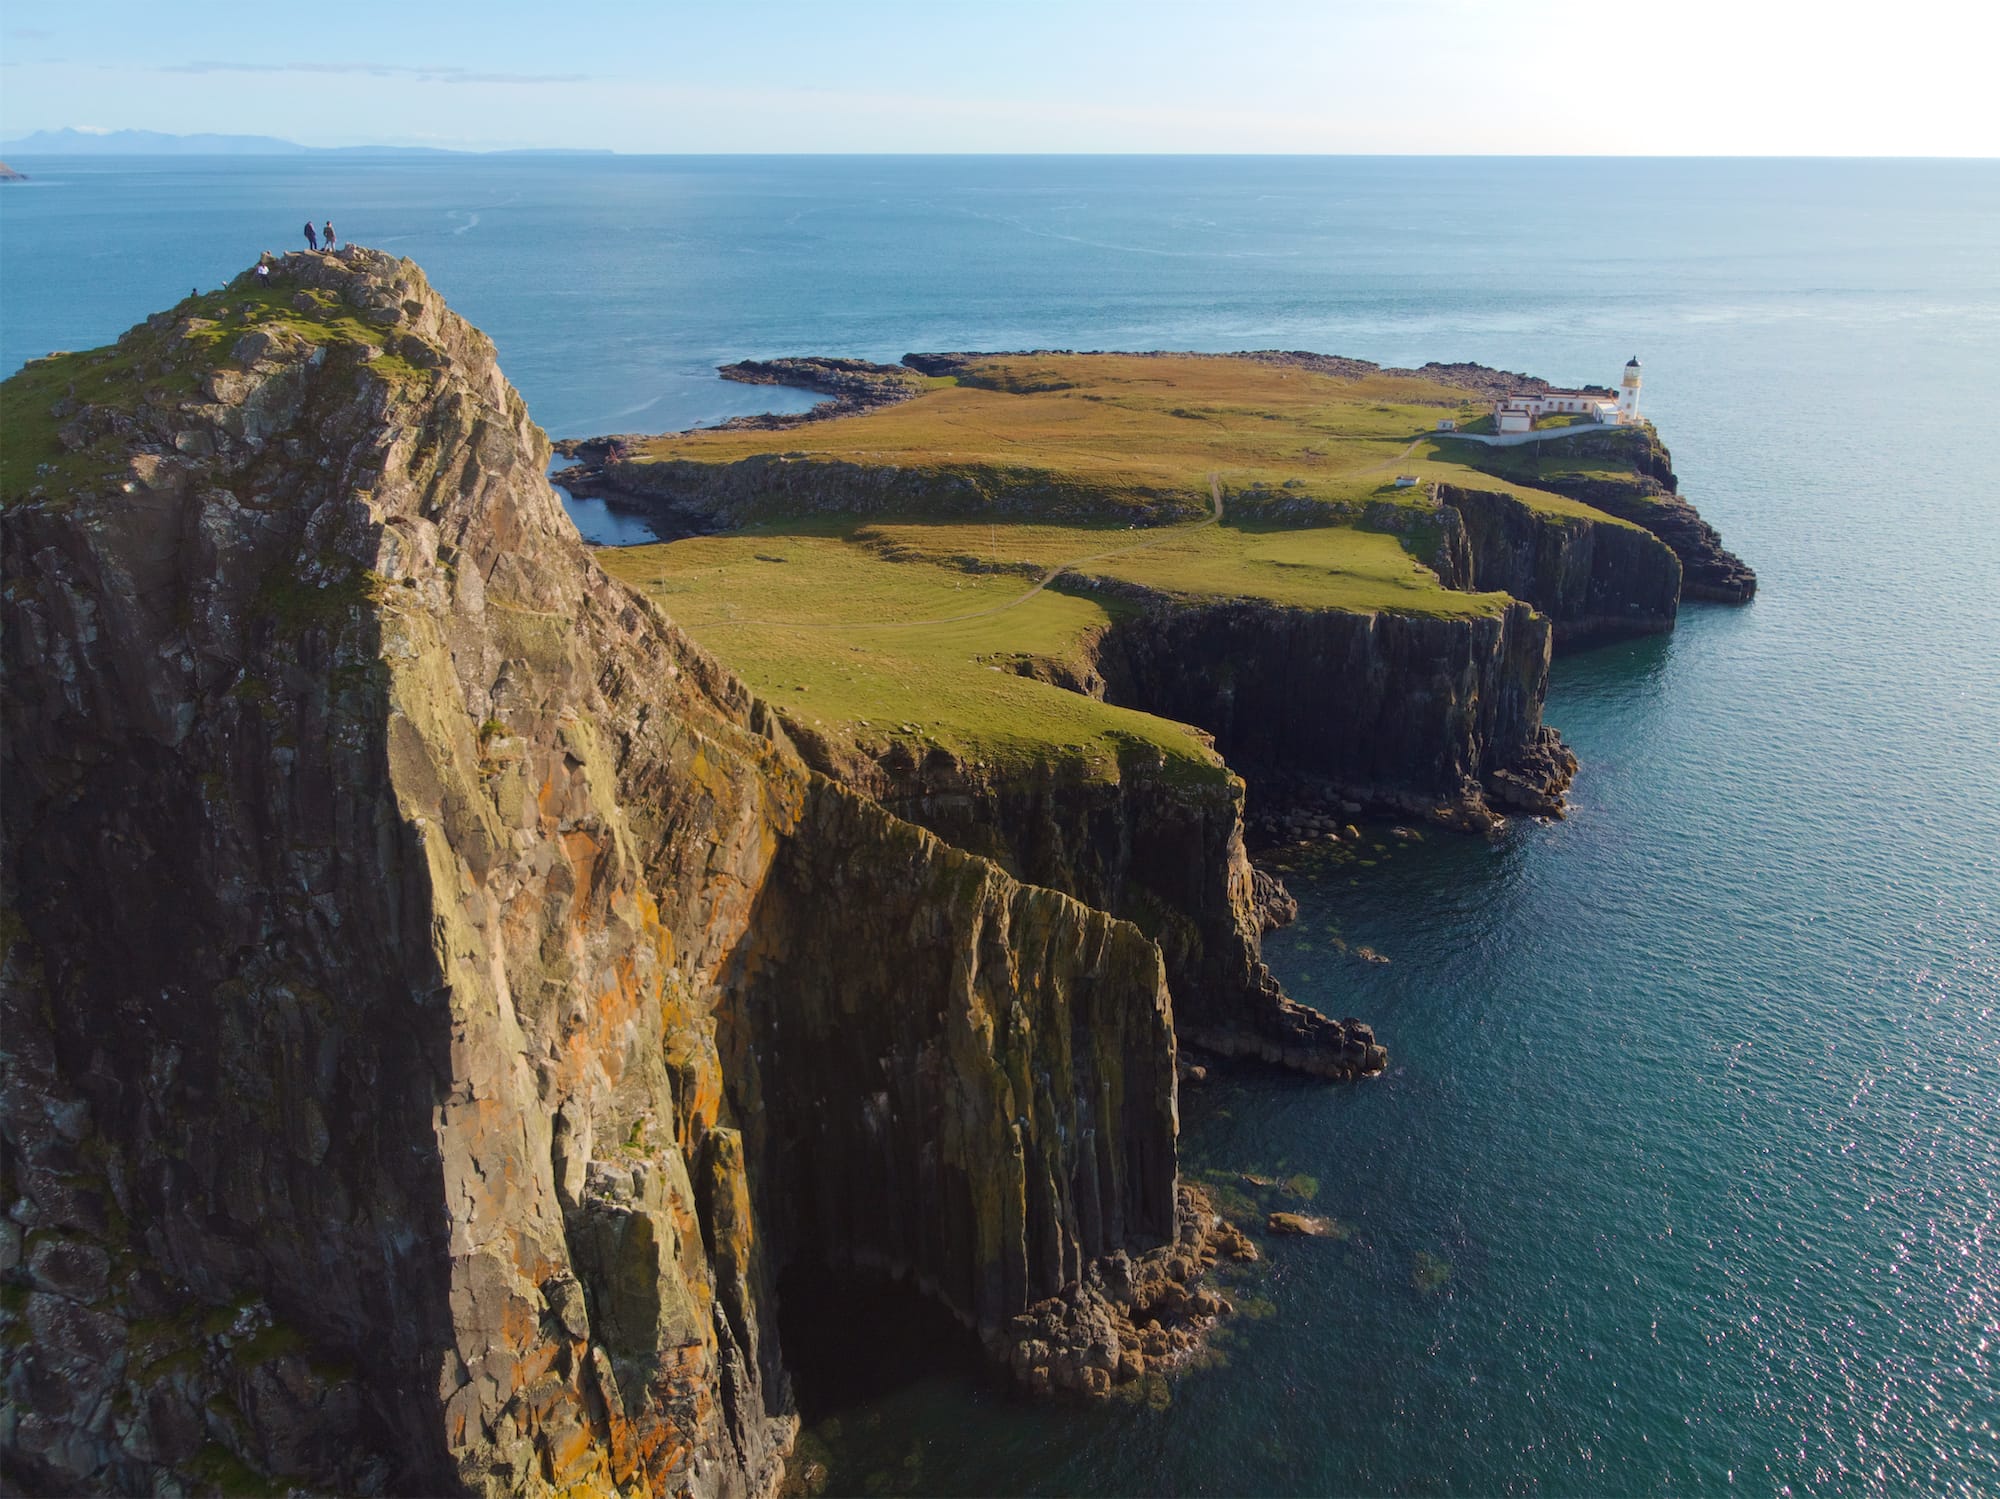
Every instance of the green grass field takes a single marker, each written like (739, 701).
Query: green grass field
(869, 630)
(1136, 428)
(864, 648)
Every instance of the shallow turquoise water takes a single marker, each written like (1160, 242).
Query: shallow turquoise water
(1693, 1094)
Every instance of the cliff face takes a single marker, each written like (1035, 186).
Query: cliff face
(437, 1001)
(1169, 858)
(1435, 716)
(1709, 570)
(720, 496)
(1591, 578)
(1650, 498)
(974, 1086)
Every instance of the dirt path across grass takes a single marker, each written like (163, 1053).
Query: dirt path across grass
(1376, 468)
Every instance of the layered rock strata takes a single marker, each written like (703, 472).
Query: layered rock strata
(1650, 498)
(1437, 716)
(1593, 578)
(436, 999)
(1164, 854)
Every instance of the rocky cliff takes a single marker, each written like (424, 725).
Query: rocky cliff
(437, 1000)
(1167, 856)
(1627, 472)
(1437, 716)
(1592, 577)
(695, 497)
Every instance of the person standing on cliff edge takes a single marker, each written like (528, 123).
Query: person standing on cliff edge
(332, 240)
(312, 239)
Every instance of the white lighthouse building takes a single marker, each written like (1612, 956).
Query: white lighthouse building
(1592, 405)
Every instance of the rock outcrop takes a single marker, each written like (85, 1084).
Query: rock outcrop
(1593, 578)
(436, 999)
(690, 497)
(1437, 716)
(1709, 570)
(1649, 497)
(1167, 856)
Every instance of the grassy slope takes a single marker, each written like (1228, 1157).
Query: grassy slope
(1145, 426)
(907, 629)
(864, 649)
(1126, 425)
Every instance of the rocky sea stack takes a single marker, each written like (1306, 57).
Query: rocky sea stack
(437, 998)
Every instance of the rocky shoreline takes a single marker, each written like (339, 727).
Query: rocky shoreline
(852, 386)
(1130, 1315)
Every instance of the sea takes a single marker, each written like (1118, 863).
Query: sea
(1684, 1176)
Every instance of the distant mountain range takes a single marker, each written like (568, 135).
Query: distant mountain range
(68, 142)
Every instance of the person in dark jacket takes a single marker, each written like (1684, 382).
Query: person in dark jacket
(327, 234)
(312, 239)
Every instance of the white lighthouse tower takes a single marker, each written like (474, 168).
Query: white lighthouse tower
(1628, 393)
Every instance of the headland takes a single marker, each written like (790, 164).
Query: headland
(451, 976)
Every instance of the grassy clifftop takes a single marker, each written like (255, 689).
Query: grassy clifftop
(1138, 431)
(945, 626)
(867, 632)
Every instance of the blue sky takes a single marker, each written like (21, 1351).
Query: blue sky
(1695, 77)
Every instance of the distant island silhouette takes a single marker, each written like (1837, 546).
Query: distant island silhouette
(70, 141)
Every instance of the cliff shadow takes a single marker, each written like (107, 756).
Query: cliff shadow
(853, 1336)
